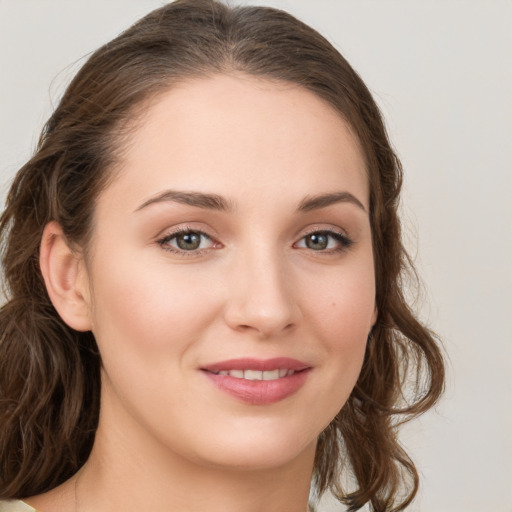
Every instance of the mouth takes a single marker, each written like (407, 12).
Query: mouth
(258, 381)
(256, 374)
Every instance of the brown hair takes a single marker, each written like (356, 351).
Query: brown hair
(49, 373)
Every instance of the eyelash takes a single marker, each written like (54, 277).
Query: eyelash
(164, 242)
(343, 241)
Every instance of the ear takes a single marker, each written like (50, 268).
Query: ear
(65, 277)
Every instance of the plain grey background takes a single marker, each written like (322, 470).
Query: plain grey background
(441, 71)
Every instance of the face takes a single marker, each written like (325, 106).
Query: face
(231, 283)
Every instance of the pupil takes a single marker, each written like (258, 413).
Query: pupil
(317, 241)
(189, 241)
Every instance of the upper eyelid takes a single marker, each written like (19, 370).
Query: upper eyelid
(317, 229)
(180, 231)
(329, 232)
(186, 228)
(321, 229)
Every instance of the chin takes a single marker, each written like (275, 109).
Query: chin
(262, 449)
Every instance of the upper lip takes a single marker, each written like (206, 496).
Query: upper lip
(248, 363)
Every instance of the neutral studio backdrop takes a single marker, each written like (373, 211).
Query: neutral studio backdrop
(442, 72)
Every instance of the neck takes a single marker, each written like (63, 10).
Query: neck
(147, 482)
(143, 483)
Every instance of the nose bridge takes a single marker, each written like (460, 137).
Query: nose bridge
(263, 298)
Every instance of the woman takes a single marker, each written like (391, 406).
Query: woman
(204, 265)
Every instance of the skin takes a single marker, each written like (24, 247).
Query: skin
(168, 438)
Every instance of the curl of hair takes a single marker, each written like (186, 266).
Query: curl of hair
(50, 374)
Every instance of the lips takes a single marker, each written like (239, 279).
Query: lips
(258, 381)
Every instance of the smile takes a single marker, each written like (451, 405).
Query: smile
(256, 374)
(258, 381)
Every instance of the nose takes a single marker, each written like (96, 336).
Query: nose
(262, 298)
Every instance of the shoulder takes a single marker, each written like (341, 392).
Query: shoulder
(15, 506)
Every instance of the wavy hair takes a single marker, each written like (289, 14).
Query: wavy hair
(50, 374)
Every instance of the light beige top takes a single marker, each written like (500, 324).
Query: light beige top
(15, 506)
(19, 506)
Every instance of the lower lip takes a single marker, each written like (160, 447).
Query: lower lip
(259, 392)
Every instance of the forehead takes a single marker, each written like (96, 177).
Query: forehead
(236, 134)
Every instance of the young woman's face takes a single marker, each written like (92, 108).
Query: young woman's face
(231, 275)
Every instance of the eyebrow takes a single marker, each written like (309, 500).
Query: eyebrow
(216, 202)
(197, 199)
(323, 200)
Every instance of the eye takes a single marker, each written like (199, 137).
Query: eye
(186, 240)
(326, 241)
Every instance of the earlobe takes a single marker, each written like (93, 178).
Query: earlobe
(65, 278)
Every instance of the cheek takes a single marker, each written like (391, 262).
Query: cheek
(139, 309)
(341, 317)
(343, 302)
(145, 326)
(147, 318)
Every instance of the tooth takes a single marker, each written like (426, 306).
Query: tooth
(271, 375)
(253, 375)
(257, 374)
